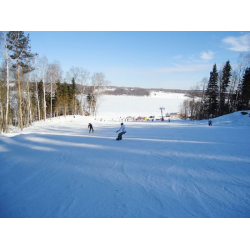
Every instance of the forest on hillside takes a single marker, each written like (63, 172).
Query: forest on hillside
(227, 90)
(32, 88)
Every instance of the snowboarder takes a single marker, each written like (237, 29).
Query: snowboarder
(123, 131)
(91, 128)
(209, 123)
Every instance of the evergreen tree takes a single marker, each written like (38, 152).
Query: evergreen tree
(211, 94)
(91, 99)
(18, 44)
(33, 102)
(238, 98)
(57, 100)
(64, 96)
(225, 81)
(246, 89)
(73, 95)
(48, 101)
(41, 99)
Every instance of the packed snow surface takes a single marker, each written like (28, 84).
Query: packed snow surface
(124, 106)
(56, 168)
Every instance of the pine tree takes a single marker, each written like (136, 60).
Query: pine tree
(246, 89)
(40, 97)
(91, 100)
(238, 97)
(57, 100)
(48, 100)
(73, 95)
(211, 94)
(225, 81)
(33, 102)
(64, 95)
(18, 44)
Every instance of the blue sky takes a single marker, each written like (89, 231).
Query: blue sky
(164, 59)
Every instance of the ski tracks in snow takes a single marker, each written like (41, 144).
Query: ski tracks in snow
(134, 197)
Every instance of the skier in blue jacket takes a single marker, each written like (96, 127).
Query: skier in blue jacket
(123, 131)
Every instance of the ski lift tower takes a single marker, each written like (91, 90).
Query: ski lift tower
(161, 108)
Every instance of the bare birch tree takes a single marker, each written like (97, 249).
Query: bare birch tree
(35, 79)
(231, 93)
(44, 73)
(8, 65)
(73, 76)
(84, 77)
(27, 96)
(2, 103)
(98, 83)
(55, 75)
(74, 72)
(19, 46)
(204, 83)
(184, 108)
(220, 75)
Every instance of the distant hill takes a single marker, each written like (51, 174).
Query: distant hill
(135, 91)
(114, 90)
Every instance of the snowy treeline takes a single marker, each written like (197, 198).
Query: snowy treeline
(32, 88)
(226, 91)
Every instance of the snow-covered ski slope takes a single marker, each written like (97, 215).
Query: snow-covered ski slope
(181, 169)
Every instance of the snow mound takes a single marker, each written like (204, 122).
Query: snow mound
(236, 118)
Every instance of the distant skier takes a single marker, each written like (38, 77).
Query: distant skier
(91, 128)
(168, 119)
(123, 131)
(209, 122)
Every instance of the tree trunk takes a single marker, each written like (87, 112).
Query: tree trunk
(38, 104)
(81, 104)
(44, 102)
(20, 98)
(1, 119)
(8, 91)
(50, 97)
(29, 106)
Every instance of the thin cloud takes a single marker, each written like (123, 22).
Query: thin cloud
(207, 55)
(241, 43)
(164, 70)
(187, 68)
(178, 57)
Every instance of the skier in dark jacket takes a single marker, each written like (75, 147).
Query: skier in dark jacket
(209, 123)
(123, 131)
(91, 128)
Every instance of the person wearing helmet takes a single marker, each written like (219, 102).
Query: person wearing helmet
(123, 131)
